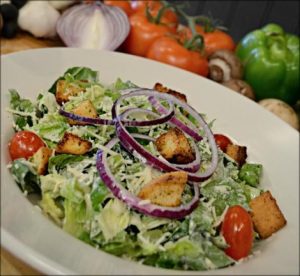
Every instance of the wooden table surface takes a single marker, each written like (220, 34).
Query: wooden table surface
(10, 265)
(24, 41)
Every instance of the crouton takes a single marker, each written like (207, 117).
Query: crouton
(160, 88)
(165, 190)
(41, 158)
(73, 144)
(266, 216)
(175, 147)
(85, 109)
(64, 90)
(237, 153)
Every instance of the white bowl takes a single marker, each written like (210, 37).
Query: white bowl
(26, 233)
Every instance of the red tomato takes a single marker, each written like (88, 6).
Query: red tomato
(237, 230)
(213, 41)
(222, 141)
(169, 17)
(124, 5)
(24, 144)
(142, 34)
(169, 50)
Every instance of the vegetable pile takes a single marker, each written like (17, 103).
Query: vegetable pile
(138, 173)
(264, 64)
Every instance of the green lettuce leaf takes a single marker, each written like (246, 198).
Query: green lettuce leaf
(75, 217)
(189, 255)
(76, 73)
(25, 176)
(50, 207)
(113, 218)
(251, 173)
(98, 195)
(18, 104)
(122, 245)
(225, 192)
(51, 127)
(59, 162)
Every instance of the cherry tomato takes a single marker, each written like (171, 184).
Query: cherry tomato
(213, 40)
(237, 229)
(24, 144)
(124, 5)
(222, 141)
(142, 34)
(169, 50)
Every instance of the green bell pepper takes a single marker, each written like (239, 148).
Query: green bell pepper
(271, 63)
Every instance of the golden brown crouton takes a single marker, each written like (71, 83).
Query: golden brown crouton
(64, 90)
(238, 153)
(266, 215)
(175, 147)
(85, 109)
(165, 190)
(41, 158)
(160, 88)
(73, 144)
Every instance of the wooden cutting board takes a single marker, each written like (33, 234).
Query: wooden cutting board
(25, 41)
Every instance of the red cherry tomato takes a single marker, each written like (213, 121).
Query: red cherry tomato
(222, 141)
(24, 144)
(237, 230)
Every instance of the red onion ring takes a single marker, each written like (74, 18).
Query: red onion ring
(133, 201)
(190, 131)
(189, 167)
(133, 146)
(87, 120)
(98, 121)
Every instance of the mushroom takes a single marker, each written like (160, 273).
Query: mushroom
(224, 65)
(241, 87)
(282, 110)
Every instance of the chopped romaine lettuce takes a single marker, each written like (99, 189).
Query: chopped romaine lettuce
(251, 173)
(77, 73)
(58, 162)
(25, 175)
(75, 197)
(50, 207)
(113, 218)
(24, 111)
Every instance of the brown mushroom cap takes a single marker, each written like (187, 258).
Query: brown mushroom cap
(226, 59)
(282, 110)
(241, 87)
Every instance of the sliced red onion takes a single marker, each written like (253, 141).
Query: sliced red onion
(129, 90)
(157, 121)
(133, 146)
(135, 202)
(99, 121)
(188, 130)
(87, 120)
(93, 26)
(189, 167)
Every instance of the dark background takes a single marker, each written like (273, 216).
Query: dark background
(240, 17)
